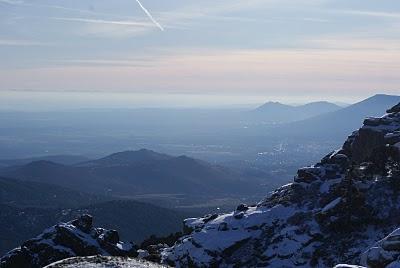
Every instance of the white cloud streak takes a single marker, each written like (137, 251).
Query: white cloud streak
(122, 23)
(12, 42)
(150, 16)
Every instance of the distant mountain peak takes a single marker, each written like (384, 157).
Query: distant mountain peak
(43, 163)
(277, 112)
(273, 104)
(381, 98)
(128, 158)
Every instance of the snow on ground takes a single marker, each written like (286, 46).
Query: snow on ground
(103, 262)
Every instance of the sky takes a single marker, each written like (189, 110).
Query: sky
(191, 51)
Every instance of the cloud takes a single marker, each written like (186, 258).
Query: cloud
(12, 42)
(393, 15)
(11, 2)
(223, 71)
(110, 28)
(112, 22)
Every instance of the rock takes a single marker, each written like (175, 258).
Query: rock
(223, 227)
(65, 240)
(392, 138)
(242, 207)
(239, 215)
(84, 223)
(394, 109)
(365, 143)
(103, 261)
(142, 254)
(307, 175)
(109, 236)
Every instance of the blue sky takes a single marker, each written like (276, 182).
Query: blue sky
(272, 49)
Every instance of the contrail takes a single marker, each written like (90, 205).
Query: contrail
(150, 16)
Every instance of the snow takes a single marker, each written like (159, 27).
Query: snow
(142, 254)
(332, 204)
(102, 262)
(348, 266)
(124, 246)
(326, 185)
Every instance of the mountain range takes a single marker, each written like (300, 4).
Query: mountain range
(42, 192)
(60, 159)
(131, 173)
(135, 220)
(21, 193)
(276, 112)
(338, 124)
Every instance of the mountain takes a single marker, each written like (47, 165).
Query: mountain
(126, 158)
(341, 122)
(331, 213)
(136, 173)
(135, 220)
(64, 240)
(276, 112)
(20, 224)
(35, 194)
(60, 159)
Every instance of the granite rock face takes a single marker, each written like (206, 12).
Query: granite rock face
(103, 262)
(65, 240)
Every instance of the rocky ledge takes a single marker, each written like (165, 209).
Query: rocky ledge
(65, 240)
(103, 262)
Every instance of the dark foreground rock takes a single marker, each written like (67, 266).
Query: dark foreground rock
(65, 240)
(103, 262)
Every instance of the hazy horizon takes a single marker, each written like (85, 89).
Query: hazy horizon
(238, 52)
(42, 100)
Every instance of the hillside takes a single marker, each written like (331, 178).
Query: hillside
(339, 123)
(60, 159)
(134, 220)
(137, 173)
(275, 112)
(36, 194)
(74, 238)
(331, 213)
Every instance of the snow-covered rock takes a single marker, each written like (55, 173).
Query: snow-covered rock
(65, 240)
(103, 262)
(333, 212)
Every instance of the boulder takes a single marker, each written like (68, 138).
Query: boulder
(394, 109)
(64, 240)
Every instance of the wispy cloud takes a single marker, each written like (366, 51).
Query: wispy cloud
(371, 13)
(14, 42)
(11, 2)
(99, 21)
(120, 29)
(150, 16)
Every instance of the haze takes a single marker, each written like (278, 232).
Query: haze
(209, 50)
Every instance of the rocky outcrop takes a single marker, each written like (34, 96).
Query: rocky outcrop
(103, 261)
(385, 253)
(65, 240)
(332, 212)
